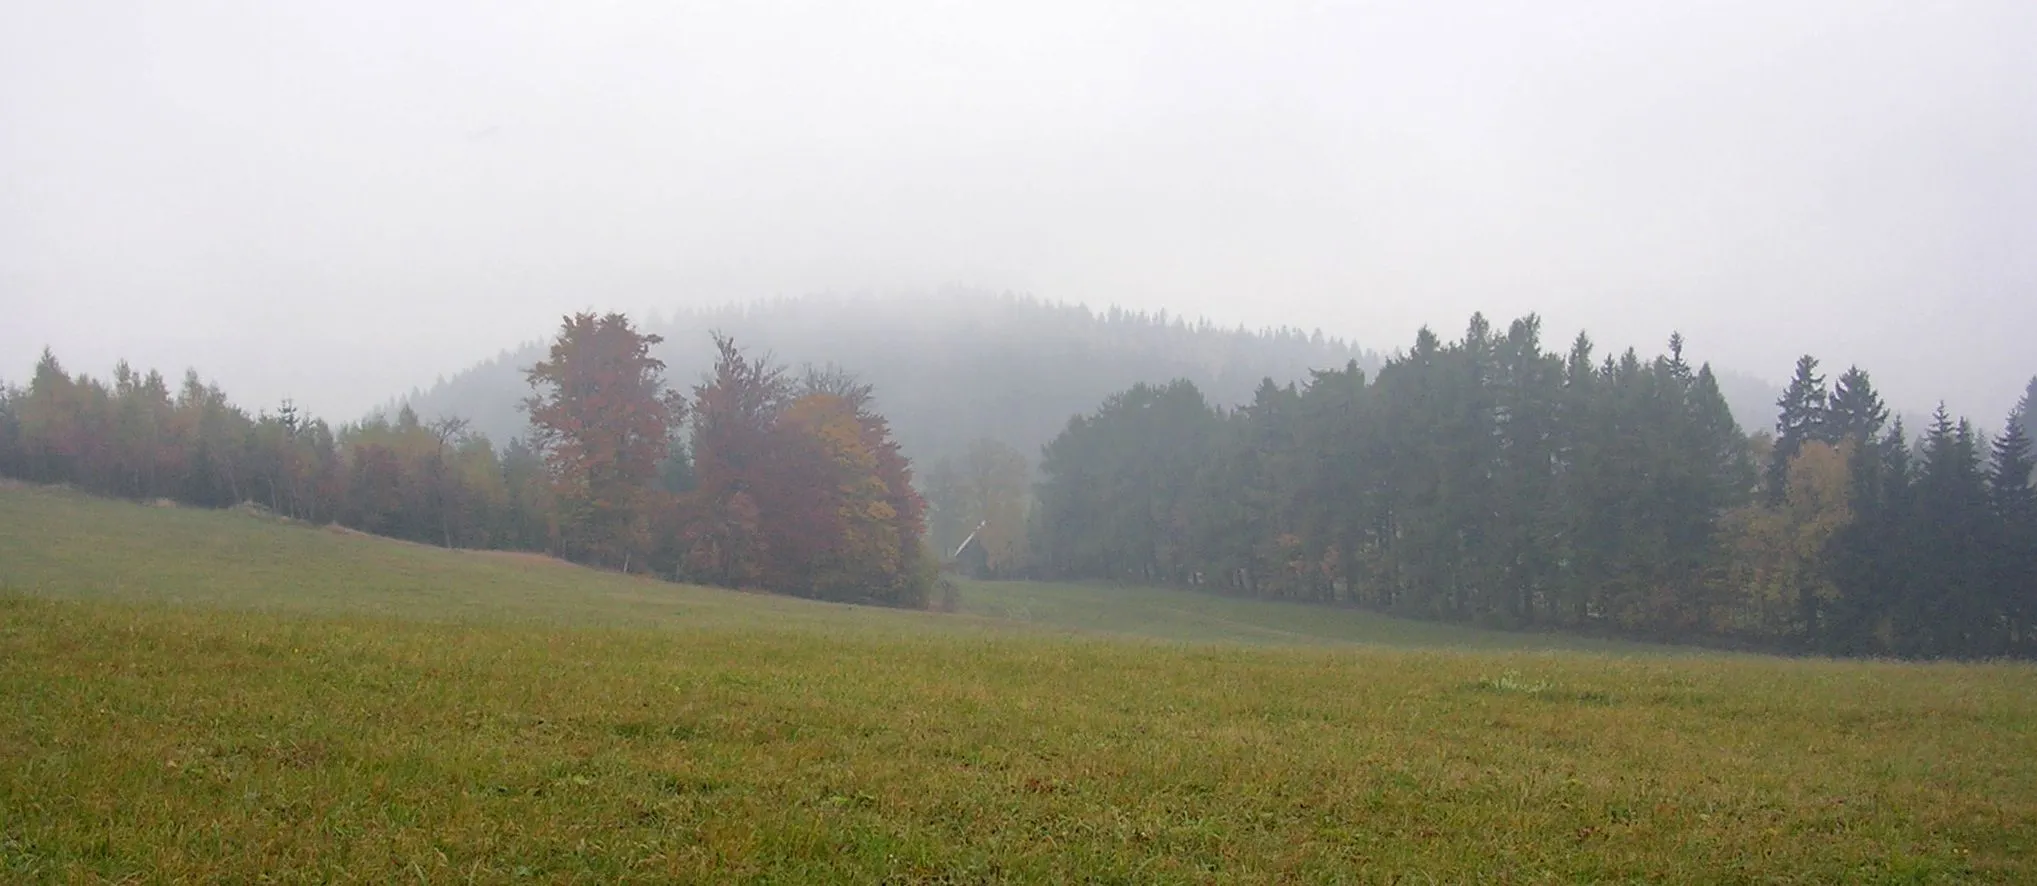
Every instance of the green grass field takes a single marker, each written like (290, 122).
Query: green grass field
(222, 697)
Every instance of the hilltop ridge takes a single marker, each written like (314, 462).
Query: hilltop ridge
(953, 369)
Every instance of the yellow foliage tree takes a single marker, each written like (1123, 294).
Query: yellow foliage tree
(1778, 581)
(867, 552)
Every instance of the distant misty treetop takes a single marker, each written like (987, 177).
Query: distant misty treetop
(948, 372)
(961, 367)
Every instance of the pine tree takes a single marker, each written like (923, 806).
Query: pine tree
(10, 431)
(2013, 566)
(1528, 395)
(1327, 472)
(1804, 417)
(1856, 411)
(1854, 423)
(2009, 473)
(1865, 559)
(1583, 526)
(1114, 502)
(50, 423)
(2025, 414)
(1952, 611)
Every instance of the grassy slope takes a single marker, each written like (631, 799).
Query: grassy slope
(433, 720)
(66, 545)
(1174, 614)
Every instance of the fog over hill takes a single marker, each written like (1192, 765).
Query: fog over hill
(947, 369)
(956, 366)
(332, 202)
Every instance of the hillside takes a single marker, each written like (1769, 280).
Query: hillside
(59, 543)
(964, 366)
(946, 371)
(224, 697)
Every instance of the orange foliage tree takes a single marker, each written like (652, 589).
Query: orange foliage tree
(605, 422)
(800, 488)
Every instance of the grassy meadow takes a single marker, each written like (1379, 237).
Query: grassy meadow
(190, 696)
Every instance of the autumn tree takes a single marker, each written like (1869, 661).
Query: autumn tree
(213, 431)
(605, 422)
(1481, 480)
(798, 487)
(735, 439)
(1780, 561)
(391, 475)
(843, 541)
(987, 497)
(51, 420)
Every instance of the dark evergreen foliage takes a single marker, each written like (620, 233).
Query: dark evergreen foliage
(1804, 417)
(1484, 480)
(1487, 480)
(1856, 411)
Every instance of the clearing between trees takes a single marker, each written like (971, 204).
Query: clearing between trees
(205, 696)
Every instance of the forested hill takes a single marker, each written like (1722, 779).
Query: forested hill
(951, 370)
(948, 371)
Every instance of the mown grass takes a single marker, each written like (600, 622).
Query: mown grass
(62, 544)
(196, 697)
(1171, 613)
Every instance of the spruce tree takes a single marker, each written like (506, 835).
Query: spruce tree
(2025, 414)
(1857, 557)
(1953, 608)
(1804, 416)
(1856, 411)
(10, 432)
(2009, 474)
(1582, 525)
(2013, 564)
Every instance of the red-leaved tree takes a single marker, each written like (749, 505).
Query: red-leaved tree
(605, 422)
(800, 488)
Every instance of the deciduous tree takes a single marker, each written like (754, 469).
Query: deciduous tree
(605, 422)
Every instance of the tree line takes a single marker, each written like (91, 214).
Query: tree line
(950, 369)
(762, 478)
(1493, 482)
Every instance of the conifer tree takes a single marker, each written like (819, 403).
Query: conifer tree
(10, 430)
(2013, 566)
(2025, 414)
(1856, 411)
(2009, 473)
(1804, 417)
(1950, 605)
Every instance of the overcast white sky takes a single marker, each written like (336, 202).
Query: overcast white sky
(338, 201)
